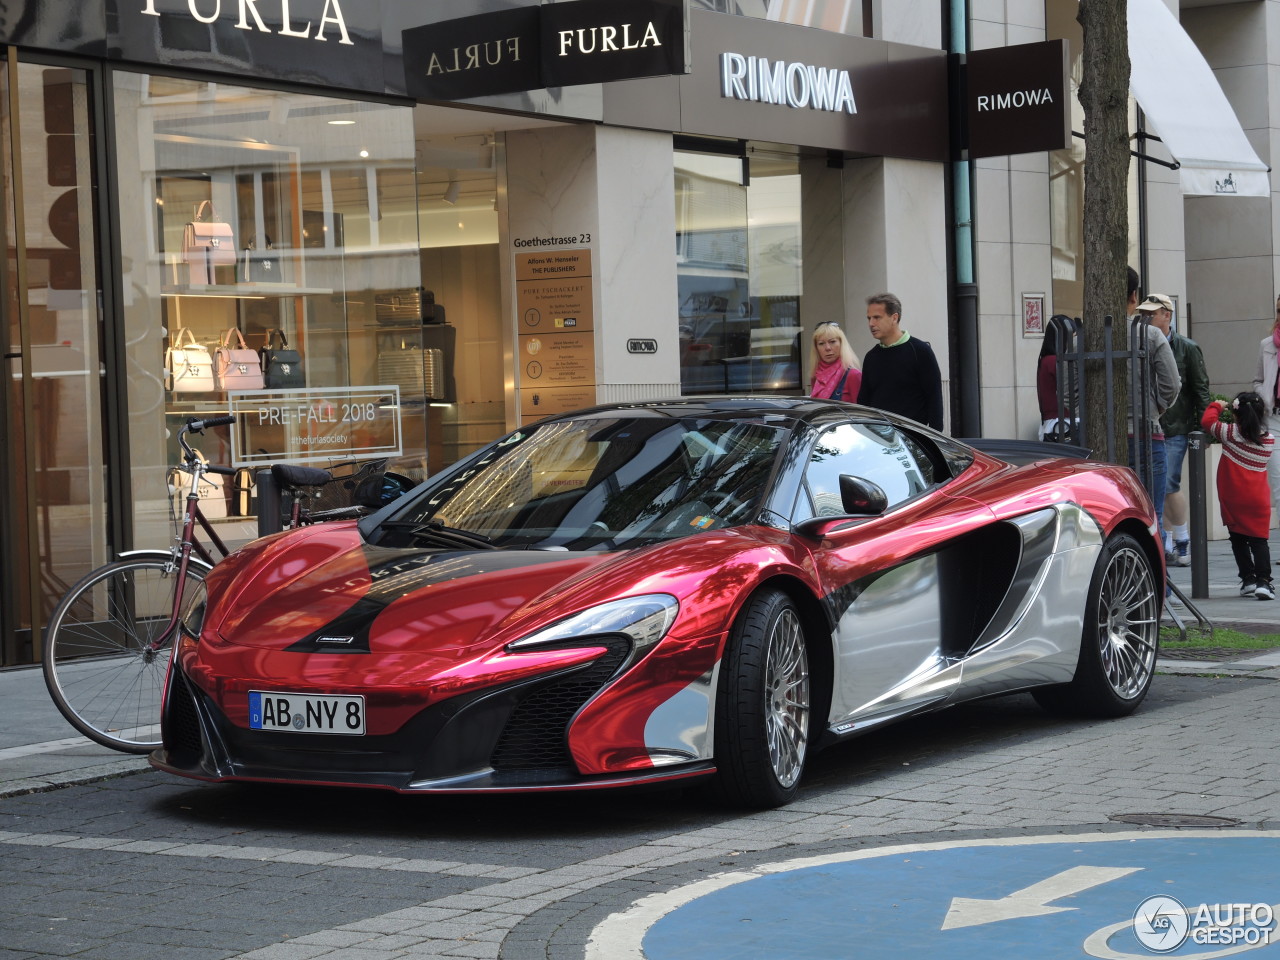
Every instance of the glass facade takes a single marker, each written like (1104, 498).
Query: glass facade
(54, 490)
(271, 270)
(739, 276)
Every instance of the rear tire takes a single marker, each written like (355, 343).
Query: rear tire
(763, 705)
(98, 663)
(1120, 640)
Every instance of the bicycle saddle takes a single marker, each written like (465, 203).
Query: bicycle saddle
(291, 475)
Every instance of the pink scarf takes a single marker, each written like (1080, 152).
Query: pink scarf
(825, 378)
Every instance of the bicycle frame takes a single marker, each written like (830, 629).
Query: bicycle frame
(187, 544)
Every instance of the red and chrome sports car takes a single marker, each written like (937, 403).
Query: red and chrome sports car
(658, 591)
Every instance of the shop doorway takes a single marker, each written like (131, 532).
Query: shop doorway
(53, 485)
(461, 191)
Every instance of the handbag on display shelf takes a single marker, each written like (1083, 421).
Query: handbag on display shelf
(236, 368)
(213, 502)
(281, 366)
(207, 242)
(187, 364)
(260, 266)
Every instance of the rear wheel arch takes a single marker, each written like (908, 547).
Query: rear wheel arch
(1136, 529)
(1119, 637)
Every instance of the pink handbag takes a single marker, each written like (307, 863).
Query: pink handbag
(236, 368)
(207, 243)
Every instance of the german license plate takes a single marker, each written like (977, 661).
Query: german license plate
(304, 713)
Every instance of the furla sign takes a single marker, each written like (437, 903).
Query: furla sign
(553, 45)
(596, 41)
(337, 43)
(283, 18)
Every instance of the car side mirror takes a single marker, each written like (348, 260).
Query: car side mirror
(378, 491)
(860, 497)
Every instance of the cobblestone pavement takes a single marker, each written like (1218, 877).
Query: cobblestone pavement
(147, 865)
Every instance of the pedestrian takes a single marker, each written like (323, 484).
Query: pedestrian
(900, 374)
(1052, 428)
(1182, 416)
(836, 373)
(1243, 493)
(1266, 384)
(1162, 385)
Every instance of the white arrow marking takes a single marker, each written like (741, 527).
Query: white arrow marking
(1031, 901)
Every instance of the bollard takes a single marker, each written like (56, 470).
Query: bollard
(1197, 451)
(269, 519)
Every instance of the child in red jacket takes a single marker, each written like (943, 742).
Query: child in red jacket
(1243, 493)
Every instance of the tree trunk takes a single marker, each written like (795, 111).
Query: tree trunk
(1104, 95)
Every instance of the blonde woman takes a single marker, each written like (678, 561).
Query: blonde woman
(837, 375)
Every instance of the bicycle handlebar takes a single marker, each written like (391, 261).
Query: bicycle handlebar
(217, 468)
(198, 426)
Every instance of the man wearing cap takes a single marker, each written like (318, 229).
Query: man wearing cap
(1182, 416)
(1163, 385)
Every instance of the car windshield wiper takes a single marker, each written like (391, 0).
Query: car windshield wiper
(436, 531)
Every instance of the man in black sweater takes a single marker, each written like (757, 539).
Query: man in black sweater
(901, 373)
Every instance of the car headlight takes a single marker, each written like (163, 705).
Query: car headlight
(645, 620)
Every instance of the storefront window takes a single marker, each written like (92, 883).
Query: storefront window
(739, 273)
(53, 492)
(276, 227)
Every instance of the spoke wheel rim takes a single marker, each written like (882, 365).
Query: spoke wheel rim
(787, 693)
(1128, 623)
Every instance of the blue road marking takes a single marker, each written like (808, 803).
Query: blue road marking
(895, 904)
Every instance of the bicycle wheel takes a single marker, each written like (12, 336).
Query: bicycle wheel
(98, 662)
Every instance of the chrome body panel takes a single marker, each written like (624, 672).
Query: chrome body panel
(1040, 642)
(889, 657)
(683, 728)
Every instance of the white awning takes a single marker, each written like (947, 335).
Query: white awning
(1186, 107)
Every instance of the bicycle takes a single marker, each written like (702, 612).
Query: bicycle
(109, 640)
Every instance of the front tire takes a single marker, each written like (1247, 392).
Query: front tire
(763, 705)
(1120, 640)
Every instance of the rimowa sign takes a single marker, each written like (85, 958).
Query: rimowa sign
(795, 85)
(1018, 99)
(555, 45)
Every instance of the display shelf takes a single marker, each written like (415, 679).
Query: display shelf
(243, 291)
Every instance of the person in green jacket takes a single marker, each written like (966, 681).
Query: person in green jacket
(1182, 416)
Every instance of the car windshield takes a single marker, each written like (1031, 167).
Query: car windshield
(598, 483)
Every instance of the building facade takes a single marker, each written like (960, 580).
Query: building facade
(439, 248)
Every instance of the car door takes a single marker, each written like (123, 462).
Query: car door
(901, 586)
